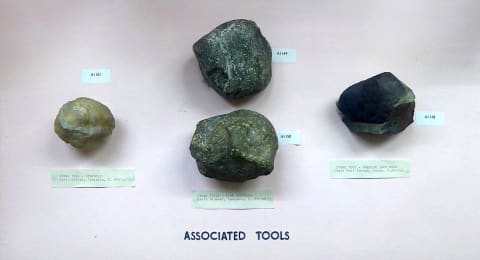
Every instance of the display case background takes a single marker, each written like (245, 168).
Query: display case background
(157, 96)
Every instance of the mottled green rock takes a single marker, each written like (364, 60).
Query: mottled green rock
(235, 147)
(83, 123)
(379, 105)
(235, 59)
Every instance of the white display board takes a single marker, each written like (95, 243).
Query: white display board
(157, 96)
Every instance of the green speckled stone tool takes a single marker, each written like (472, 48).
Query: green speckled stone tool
(235, 59)
(235, 147)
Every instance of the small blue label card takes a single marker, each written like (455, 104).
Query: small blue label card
(429, 118)
(284, 55)
(289, 137)
(96, 76)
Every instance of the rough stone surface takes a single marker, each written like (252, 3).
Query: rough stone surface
(83, 123)
(379, 105)
(235, 147)
(235, 59)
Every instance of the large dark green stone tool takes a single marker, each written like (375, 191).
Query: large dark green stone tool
(235, 147)
(84, 123)
(379, 105)
(235, 59)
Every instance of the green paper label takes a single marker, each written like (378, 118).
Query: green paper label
(92, 178)
(232, 200)
(369, 169)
